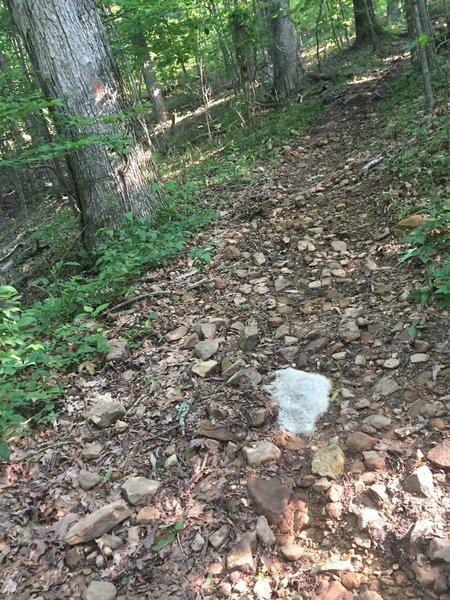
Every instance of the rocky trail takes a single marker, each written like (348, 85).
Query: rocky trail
(167, 475)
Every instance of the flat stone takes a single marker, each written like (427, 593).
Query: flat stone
(258, 417)
(97, 523)
(262, 589)
(292, 551)
(349, 332)
(137, 489)
(360, 441)
(205, 368)
(198, 542)
(176, 334)
(378, 421)
(259, 259)
(147, 515)
(440, 454)
(420, 357)
(206, 349)
(374, 461)
(391, 363)
(338, 565)
(386, 386)
(88, 480)
(101, 590)
(378, 492)
(370, 595)
(420, 482)
(240, 558)
(332, 590)
(104, 414)
(316, 346)
(118, 351)
(206, 331)
(230, 253)
(270, 497)
(217, 432)
(339, 246)
(264, 533)
(328, 462)
(248, 338)
(245, 376)
(263, 451)
(91, 451)
(230, 367)
(425, 572)
(219, 537)
(190, 341)
(367, 517)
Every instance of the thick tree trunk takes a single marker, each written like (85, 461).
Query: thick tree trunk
(366, 27)
(287, 68)
(243, 42)
(393, 11)
(154, 93)
(69, 50)
(423, 55)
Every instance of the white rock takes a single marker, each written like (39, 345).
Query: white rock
(302, 397)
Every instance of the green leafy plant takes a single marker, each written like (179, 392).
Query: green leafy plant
(170, 534)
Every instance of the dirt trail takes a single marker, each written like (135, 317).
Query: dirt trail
(307, 257)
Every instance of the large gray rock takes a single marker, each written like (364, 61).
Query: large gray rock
(248, 339)
(104, 414)
(118, 351)
(101, 590)
(420, 482)
(263, 451)
(88, 480)
(205, 368)
(206, 349)
(97, 523)
(240, 557)
(137, 489)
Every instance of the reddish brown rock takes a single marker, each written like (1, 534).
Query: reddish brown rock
(333, 590)
(270, 497)
(360, 441)
(440, 454)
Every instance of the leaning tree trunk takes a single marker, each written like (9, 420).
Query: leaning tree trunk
(154, 93)
(111, 173)
(367, 29)
(287, 68)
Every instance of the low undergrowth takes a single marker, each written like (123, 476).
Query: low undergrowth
(421, 161)
(41, 341)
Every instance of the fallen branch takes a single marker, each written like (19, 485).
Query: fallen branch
(153, 294)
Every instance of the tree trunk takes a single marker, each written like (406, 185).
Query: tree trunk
(287, 68)
(393, 11)
(154, 93)
(111, 174)
(243, 46)
(366, 27)
(424, 62)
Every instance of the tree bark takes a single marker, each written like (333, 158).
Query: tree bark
(393, 11)
(68, 47)
(287, 68)
(366, 27)
(154, 93)
(422, 54)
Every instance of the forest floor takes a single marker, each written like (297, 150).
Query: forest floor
(306, 274)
